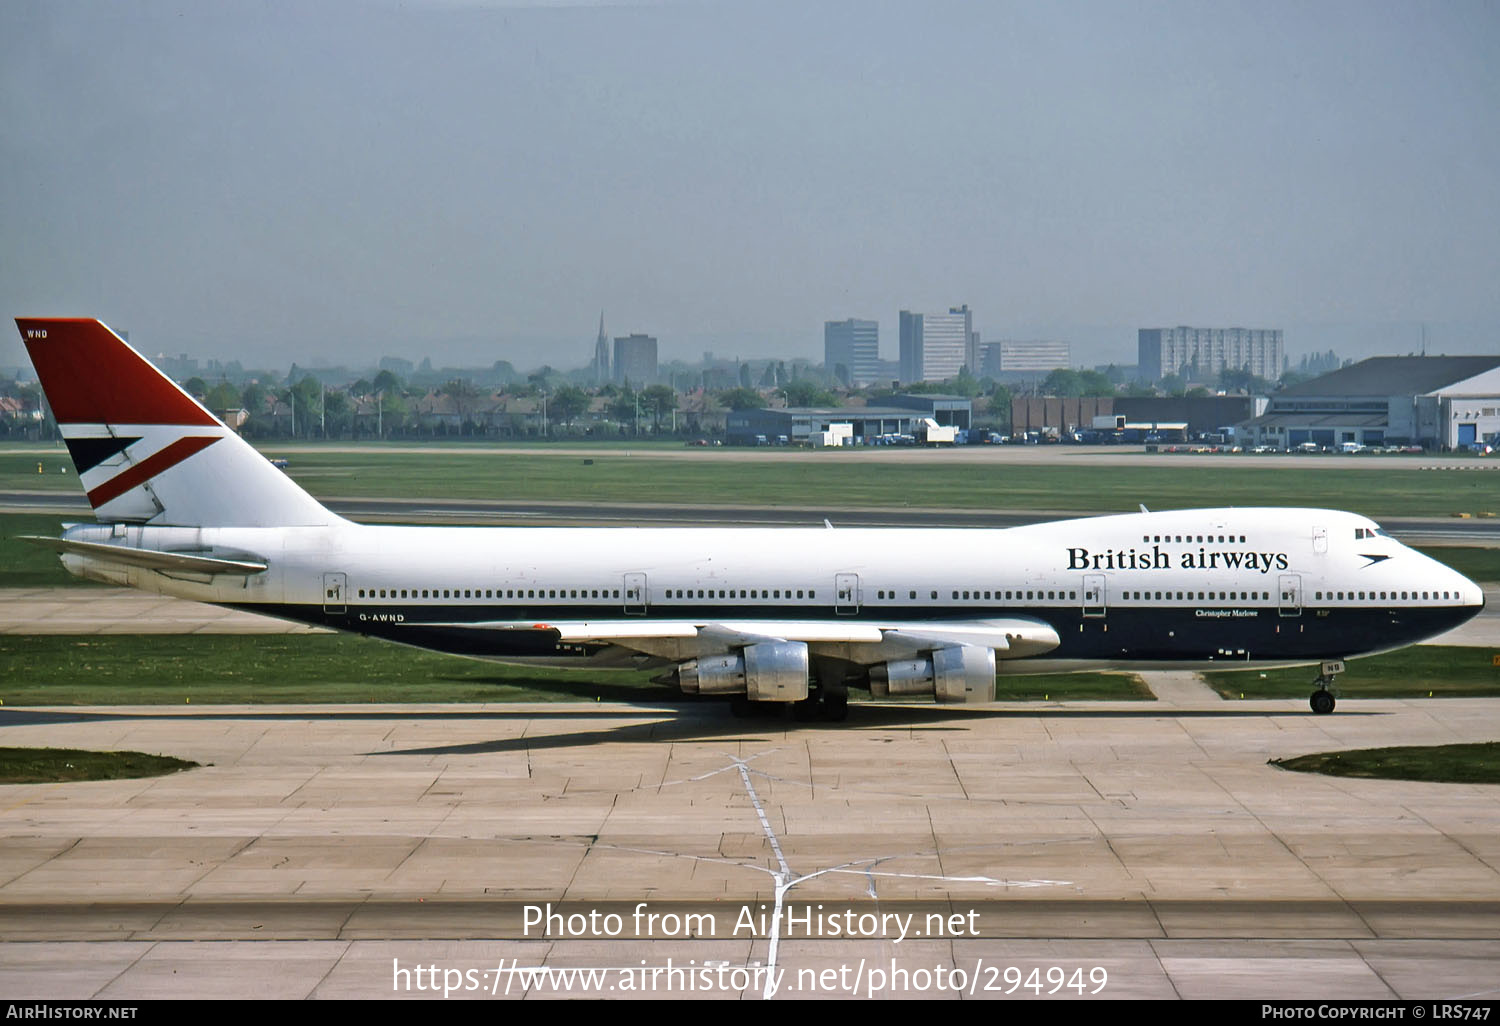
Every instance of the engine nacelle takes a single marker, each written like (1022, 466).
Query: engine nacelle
(713, 675)
(771, 671)
(961, 674)
(901, 677)
(776, 671)
(964, 674)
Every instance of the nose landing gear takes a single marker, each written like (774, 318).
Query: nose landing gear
(1322, 700)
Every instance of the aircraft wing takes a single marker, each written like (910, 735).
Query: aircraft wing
(1015, 637)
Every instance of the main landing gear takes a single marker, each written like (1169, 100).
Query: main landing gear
(830, 706)
(827, 699)
(1322, 700)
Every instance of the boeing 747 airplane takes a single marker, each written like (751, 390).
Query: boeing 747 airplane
(185, 507)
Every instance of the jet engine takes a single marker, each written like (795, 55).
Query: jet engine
(769, 671)
(961, 674)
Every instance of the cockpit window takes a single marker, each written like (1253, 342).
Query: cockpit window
(1369, 532)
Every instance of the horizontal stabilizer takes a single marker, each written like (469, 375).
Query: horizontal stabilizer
(151, 559)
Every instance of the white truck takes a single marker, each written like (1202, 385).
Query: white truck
(930, 432)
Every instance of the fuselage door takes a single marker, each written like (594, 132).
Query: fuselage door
(1093, 594)
(635, 594)
(335, 593)
(1290, 601)
(846, 594)
(1320, 540)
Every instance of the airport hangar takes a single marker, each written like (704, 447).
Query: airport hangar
(901, 416)
(1437, 402)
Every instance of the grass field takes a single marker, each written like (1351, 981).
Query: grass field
(63, 765)
(178, 669)
(1444, 764)
(23, 565)
(1444, 671)
(843, 480)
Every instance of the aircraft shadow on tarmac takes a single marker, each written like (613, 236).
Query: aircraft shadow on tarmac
(660, 723)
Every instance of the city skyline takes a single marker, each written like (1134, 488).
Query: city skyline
(474, 181)
(558, 357)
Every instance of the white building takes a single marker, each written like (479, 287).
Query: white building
(1016, 357)
(1203, 352)
(935, 347)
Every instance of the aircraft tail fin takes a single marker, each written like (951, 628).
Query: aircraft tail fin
(144, 449)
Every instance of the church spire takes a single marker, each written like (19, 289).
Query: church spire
(601, 354)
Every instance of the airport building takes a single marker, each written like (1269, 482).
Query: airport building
(1437, 402)
(1201, 353)
(947, 410)
(935, 347)
(635, 360)
(1200, 415)
(798, 424)
(851, 352)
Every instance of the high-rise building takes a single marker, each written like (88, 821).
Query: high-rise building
(971, 338)
(600, 365)
(635, 359)
(934, 347)
(1201, 353)
(851, 351)
(1027, 357)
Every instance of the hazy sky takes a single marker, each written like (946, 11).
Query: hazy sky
(340, 180)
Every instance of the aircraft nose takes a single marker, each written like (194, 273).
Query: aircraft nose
(1473, 594)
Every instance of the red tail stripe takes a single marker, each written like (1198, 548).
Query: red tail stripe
(91, 376)
(149, 468)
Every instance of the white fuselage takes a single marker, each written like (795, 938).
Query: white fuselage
(1195, 586)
